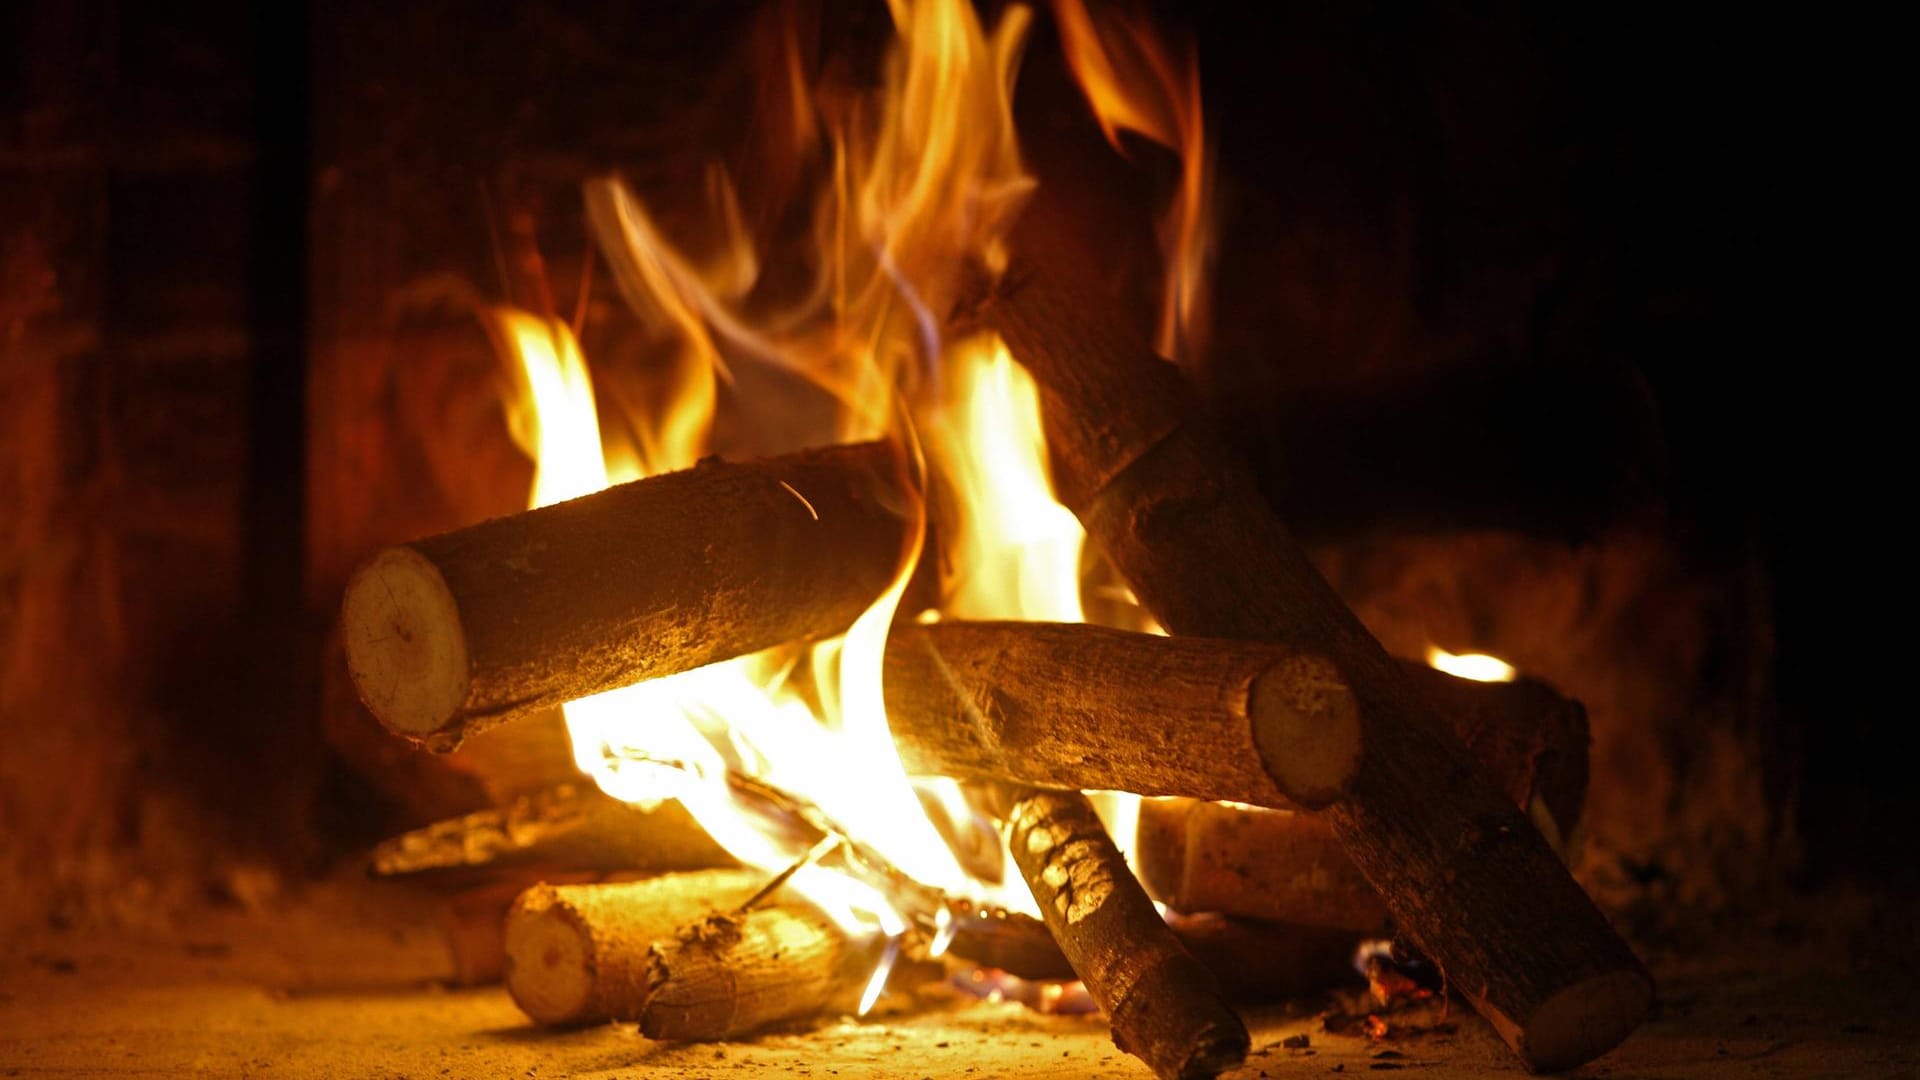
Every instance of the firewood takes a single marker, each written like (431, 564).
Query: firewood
(1464, 874)
(577, 954)
(1165, 1008)
(1250, 861)
(1287, 867)
(731, 974)
(1075, 706)
(566, 829)
(455, 633)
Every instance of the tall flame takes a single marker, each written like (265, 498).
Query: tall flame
(921, 179)
(1134, 83)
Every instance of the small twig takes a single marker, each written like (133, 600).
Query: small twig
(818, 851)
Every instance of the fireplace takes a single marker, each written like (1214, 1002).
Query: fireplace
(749, 538)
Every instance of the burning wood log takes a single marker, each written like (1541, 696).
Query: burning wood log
(674, 954)
(455, 633)
(566, 829)
(1076, 706)
(1464, 874)
(1270, 864)
(1085, 707)
(1165, 1008)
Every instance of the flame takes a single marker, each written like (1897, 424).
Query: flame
(1133, 82)
(920, 180)
(1476, 666)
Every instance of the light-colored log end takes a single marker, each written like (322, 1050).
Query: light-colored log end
(550, 962)
(1306, 726)
(405, 647)
(1579, 1023)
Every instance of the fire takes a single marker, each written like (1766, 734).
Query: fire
(1476, 666)
(1134, 83)
(921, 179)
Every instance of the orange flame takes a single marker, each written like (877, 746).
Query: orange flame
(923, 178)
(1134, 83)
(1476, 666)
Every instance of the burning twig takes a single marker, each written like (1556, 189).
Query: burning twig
(1075, 706)
(1165, 1008)
(1463, 872)
(455, 633)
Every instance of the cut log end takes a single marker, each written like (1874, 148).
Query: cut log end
(405, 648)
(1579, 1023)
(1306, 726)
(550, 963)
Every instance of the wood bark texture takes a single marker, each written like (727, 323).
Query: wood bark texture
(457, 632)
(1463, 872)
(1165, 1008)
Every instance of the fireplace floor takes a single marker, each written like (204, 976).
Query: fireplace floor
(343, 985)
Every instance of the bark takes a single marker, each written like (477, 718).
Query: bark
(728, 975)
(565, 830)
(1463, 872)
(458, 632)
(1165, 1008)
(578, 954)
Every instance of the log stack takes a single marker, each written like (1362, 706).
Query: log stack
(1421, 798)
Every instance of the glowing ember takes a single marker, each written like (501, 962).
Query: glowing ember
(1476, 666)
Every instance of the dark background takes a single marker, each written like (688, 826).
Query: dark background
(1544, 269)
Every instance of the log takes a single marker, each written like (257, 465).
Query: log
(567, 829)
(1252, 960)
(577, 954)
(1076, 706)
(1181, 519)
(1164, 1007)
(1253, 862)
(729, 975)
(1286, 867)
(455, 633)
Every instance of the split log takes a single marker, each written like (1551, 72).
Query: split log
(1075, 706)
(1181, 519)
(1165, 1008)
(455, 633)
(566, 829)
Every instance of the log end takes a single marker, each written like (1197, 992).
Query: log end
(1198, 1040)
(1579, 1023)
(549, 958)
(405, 647)
(1306, 726)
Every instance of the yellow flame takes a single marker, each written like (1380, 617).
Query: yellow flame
(1476, 666)
(921, 177)
(1134, 83)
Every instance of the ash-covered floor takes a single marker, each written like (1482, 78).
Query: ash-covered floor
(349, 984)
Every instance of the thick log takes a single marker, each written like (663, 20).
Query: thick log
(564, 830)
(731, 974)
(455, 633)
(1273, 865)
(1464, 874)
(577, 954)
(1076, 706)
(1165, 1008)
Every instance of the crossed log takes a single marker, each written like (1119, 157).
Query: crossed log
(1293, 704)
